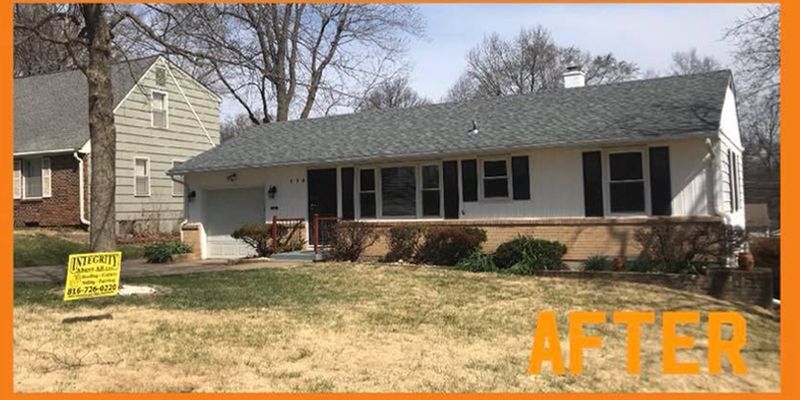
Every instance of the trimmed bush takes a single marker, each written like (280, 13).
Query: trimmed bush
(671, 246)
(163, 252)
(598, 263)
(348, 240)
(477, 262)
(403, 242)
(538, 254)
(638, 265)
(449, 245)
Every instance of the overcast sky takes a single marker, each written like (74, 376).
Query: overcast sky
(646, 34)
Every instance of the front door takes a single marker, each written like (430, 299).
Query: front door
(322, 198)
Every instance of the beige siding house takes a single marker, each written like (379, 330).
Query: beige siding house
(163, 117)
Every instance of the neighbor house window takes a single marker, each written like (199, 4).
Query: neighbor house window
(366, 193)
(495, 179)
(32, 177)
(398, 192)
(158, 107)
(177, 187)
(141, 178)
(626, 182)
(430, 191)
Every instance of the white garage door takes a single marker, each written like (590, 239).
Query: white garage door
(225, 211)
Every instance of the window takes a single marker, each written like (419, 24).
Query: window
(141, 177)
(495, 179)
(366, 193)
(177, 187)
(158, 107)
(398, 192)
(431, 203)
(32, 177)
(626, 182)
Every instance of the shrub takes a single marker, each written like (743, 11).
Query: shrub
(673, 247)
(448, 245)
(767, 254)
(349, 239)
(257, 236)
(403, 242)
(598, 263)
(162, 252)
(541, 254)
(477, 262)
(638, 265)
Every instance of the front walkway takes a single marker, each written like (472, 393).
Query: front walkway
(138, 268)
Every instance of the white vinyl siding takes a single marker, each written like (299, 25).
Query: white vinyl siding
(177, 187)
(142, 176)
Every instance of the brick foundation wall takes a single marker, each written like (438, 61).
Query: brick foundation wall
(747, 287)
(62, 208)
(584, 237)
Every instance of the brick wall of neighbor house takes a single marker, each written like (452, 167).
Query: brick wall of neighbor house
(584, 237)
(61, 209)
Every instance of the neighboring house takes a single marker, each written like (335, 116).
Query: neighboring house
(162, 117)
(588, 166)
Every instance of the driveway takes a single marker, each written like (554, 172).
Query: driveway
(138, 268)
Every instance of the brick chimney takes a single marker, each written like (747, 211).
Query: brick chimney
(574, 77)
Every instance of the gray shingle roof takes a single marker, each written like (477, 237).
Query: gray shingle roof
(51, 110)
(635, 110)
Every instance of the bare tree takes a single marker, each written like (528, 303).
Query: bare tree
(84, 33)
(275, 59)
(234, 127)
(531, 62)
(33, 56)
(392, 93)
(689, 62)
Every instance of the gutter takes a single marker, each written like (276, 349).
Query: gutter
(45, 152)
(84, 221)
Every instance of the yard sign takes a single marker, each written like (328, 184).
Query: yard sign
(92, 275)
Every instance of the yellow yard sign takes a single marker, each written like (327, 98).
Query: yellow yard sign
(92, 275)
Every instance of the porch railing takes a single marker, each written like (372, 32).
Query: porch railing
(293, 224)
(321, 230)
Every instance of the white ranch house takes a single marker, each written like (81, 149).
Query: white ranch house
(585, 165)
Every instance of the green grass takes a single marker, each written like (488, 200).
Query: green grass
(39, 249)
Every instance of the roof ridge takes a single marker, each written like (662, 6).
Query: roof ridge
(74, 69)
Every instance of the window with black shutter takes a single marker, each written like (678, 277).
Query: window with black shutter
(495, 179)
(626, 182)
(366, 193)
(469, 180)
(520, 181)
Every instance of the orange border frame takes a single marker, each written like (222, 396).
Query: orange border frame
(790, 349)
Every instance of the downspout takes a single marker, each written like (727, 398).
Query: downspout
(84, 221)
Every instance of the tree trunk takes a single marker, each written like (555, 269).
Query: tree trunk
(103, 135)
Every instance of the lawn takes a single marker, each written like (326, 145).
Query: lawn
(355, 327)
(37, 249)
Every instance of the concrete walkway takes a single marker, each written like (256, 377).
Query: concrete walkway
(139, 268)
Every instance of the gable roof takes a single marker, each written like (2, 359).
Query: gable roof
(51, 110)
(629, 111)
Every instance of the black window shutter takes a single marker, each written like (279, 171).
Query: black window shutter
(348, 201)
(592, 184)
(660, 182)
(469, 180)
(521, 178)
(450, 188)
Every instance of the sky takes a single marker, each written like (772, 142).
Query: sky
(646, 34)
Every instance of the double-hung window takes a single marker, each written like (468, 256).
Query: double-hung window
(431, 203)
(366, 193)
(495, 179)
(177, 187)
(158, 108)
(141, 179)
(398, 192)
(626, 185)
(32, 178)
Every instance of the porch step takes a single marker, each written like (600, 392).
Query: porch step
(297, 256)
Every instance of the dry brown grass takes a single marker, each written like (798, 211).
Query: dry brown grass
(386, 329)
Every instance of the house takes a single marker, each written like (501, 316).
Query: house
(586, 165)
(162, 118)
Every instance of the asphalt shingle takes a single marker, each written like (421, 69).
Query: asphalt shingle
(51, 110)
(635, 110)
